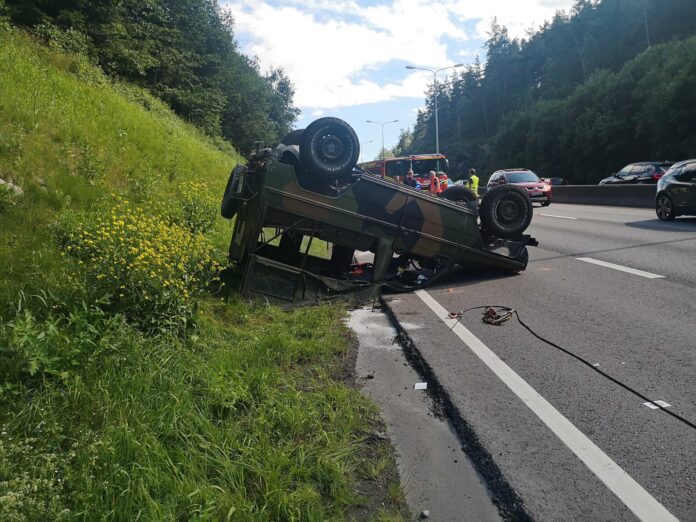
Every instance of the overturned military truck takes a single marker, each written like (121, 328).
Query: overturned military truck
(308, 189)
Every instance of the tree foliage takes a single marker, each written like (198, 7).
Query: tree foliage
(606, 84)
(183, 51)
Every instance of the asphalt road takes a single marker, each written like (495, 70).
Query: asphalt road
(529, 406)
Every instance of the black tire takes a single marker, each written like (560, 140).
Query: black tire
(458, 193)
(329, 149)
(293, 138)
(229, 206)
(506, 211)
(664, 208)
(545, 203)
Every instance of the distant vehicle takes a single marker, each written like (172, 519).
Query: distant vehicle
(676, 191)
(421, 164)
(538, 190)
(642, 172)
(555, 181)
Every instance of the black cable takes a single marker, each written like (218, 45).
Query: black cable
(626, 387)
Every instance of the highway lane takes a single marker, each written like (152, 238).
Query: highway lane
(639, 330)
(632, 237)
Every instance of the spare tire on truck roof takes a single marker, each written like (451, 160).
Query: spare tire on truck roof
(458, 193)
(293, 137)
(506, 211)
(329, 149)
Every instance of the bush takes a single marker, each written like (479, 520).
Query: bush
(147, 268)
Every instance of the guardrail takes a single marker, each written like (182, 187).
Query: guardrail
(642, 196)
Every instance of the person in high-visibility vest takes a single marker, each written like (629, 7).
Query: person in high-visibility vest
(434, 187)
(473, 182)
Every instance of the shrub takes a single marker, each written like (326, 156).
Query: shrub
(148, 268)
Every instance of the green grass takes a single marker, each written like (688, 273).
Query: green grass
(66, 140)
(247, 416)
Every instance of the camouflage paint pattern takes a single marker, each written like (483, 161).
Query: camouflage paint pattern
(415, 222)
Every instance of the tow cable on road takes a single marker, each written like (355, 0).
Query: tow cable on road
(498, 314)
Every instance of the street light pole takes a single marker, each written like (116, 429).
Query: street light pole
(382, 123)
(435, 71)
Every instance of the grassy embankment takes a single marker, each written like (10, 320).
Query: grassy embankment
(128, 388)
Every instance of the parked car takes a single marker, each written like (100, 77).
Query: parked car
(539, 191)
(642, 172)
(676, 191)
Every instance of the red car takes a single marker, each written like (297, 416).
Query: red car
(539, 191)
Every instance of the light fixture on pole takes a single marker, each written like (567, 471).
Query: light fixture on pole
(361, 148)
(435, 71)
(382, 123)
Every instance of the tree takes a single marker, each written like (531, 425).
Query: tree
(184, 52)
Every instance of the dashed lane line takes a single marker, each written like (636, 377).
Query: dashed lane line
(559, 217)
(626, 269)
(632, 494)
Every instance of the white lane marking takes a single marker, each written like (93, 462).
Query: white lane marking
(633, 271)
(632, 494)
(559, 217)
(655, 405)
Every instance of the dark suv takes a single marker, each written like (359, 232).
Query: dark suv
(676, 191)
(642, 172)
(538, 191)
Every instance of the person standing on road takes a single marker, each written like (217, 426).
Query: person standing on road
(473, 182)
(434, 186)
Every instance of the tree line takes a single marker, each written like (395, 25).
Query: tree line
(183, 51)
(608, 83)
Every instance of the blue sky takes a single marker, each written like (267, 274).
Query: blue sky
(347, 58)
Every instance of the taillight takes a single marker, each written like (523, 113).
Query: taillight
(657, 176)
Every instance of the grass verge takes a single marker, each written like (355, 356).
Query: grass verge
(127, 390)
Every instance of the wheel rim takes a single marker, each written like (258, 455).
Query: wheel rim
(331, 148)
(508, 211)
(664, 207)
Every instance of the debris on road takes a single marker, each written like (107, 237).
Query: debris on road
(420, 386)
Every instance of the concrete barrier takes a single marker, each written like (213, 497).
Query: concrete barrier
(642, 196)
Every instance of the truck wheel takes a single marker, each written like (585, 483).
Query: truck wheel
(229, 205)
(329, 148)
(506, 211)
(458, 193)
(293, 138)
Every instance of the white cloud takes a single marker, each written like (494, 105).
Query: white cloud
(334, 50)
(517, 15)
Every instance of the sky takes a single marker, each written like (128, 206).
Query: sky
(348, 58)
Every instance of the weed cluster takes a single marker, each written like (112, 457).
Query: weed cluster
(6, 197)
(59, 342)
(198, 205)
(145, 267)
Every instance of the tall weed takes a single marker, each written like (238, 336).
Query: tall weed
(148, 269)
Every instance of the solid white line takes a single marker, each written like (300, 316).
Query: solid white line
(633, 271)
(559, 217)
(632, 494)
